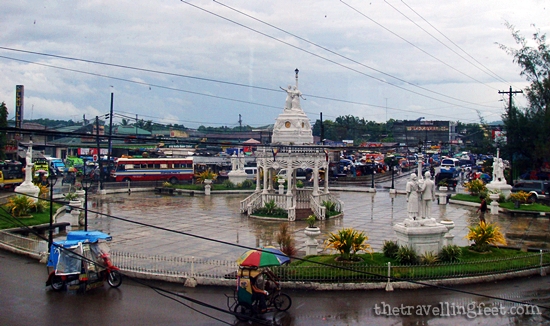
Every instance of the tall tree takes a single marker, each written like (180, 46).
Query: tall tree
(528, 129)
(3, 126)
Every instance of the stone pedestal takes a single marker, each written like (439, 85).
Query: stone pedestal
(237, 176)
(494, 203)
(207, 187)
(499, 187)
(448, 236)
(442, 197)
(281, 186)
(29, 189)
(422, 235)
(311, 242)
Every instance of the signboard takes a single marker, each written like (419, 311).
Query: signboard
(19, 99)
(427, 128)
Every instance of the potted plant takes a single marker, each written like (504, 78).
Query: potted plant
(443, 185)
(311, 219)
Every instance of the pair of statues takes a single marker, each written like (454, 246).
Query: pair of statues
(420, 195)
(498, 171)
(292, 98)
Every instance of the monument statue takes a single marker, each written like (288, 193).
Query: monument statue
(241, 161)
(412, 188)
(289, 97)
(427, 195)
(296, 99)
(233, 162)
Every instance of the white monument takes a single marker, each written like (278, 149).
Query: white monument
(292, 127)
(237, 174)
(498, 184)
(27, 187)
(419, 230)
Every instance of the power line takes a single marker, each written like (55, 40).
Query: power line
(337, 63)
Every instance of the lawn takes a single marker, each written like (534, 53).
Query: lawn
(7, 221)
(374, 267)
(535, 207)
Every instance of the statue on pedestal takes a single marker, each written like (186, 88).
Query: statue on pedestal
(413, 188)
(427, 190)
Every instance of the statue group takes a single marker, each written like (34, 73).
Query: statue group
(420, 195)
(293, 96)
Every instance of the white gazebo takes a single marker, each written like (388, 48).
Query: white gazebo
(292, 148)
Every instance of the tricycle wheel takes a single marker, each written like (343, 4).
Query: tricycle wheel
(57, 283)
(114, 279)
(282, 302)
(243, 311)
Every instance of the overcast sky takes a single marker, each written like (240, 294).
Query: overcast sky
(204, 62)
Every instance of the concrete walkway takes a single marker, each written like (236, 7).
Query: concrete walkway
(217, 217)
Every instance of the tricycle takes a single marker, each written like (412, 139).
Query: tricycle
(81, 262)
(245, 305)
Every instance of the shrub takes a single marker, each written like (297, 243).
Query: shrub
(450, 254)
(40, 206)
(228, 184)
(270, 208)
(348, 242)
(429, 258)
(285, 240)
(207, 174)
(20, 205)
(299, 184)
(406, 255)
(390, 249)
(485, 234)
(166, 184)
(475, 187)
(246, 184)
(330, 206)
(520, 196)
(71, 196)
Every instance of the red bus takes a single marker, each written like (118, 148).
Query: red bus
(154, 169)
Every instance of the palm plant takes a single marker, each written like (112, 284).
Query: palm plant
(20, 205)
(485, 234)
(205, 175)
(348, 242)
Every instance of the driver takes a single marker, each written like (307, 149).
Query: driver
(258, 291)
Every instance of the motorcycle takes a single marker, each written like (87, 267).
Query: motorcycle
(82, 262)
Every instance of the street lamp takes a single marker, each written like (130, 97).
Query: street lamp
(86, 183)
(52, 179)
(372, 180)
(392, 171)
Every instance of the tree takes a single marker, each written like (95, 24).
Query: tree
(3, 126)
(528, 129)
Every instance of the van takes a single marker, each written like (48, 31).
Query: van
(450, 164)
(56, 165)
(251, 172)
(301, 174)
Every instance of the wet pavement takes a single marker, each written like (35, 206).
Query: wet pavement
(206, 218)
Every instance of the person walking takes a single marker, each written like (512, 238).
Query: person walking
(482, 209)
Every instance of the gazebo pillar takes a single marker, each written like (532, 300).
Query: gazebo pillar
(265, 192)
(316, 181)
(325, 190)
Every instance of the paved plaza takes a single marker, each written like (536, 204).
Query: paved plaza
(217, 217)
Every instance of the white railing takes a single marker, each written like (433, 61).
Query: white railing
(25, 244)
(248, 200)
(318, 210)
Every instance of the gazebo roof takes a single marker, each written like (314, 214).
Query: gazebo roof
(252, 141)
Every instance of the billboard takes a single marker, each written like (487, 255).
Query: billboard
(19, 97)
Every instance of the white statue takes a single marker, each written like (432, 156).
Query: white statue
(412, 189)
(289, 97)
(296, 99)
(241, 161)
(234, 162)
(427, 190)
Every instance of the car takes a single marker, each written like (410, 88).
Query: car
(537, 189)
(301, 174)
(251, 172)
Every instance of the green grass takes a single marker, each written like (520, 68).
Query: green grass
(374, 267)
(7, 221)
(535, 207)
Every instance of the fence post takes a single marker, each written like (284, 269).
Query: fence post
(542, 271)
(389, 287)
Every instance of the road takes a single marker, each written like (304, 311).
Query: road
(26, 301)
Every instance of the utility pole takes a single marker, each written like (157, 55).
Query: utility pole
(240, 123)
(510, 93)
(322, 129)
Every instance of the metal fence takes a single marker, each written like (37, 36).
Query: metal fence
(336, 273)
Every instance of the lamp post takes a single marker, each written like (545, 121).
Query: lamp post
(86, 183)
(372, 179)
(52, 179)
(392, 171)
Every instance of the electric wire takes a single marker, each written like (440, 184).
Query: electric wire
(11, 219)
(445, 45)
(393, 278)
(225, 98)
(448, 39)
(332, 61)
(417, 47)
